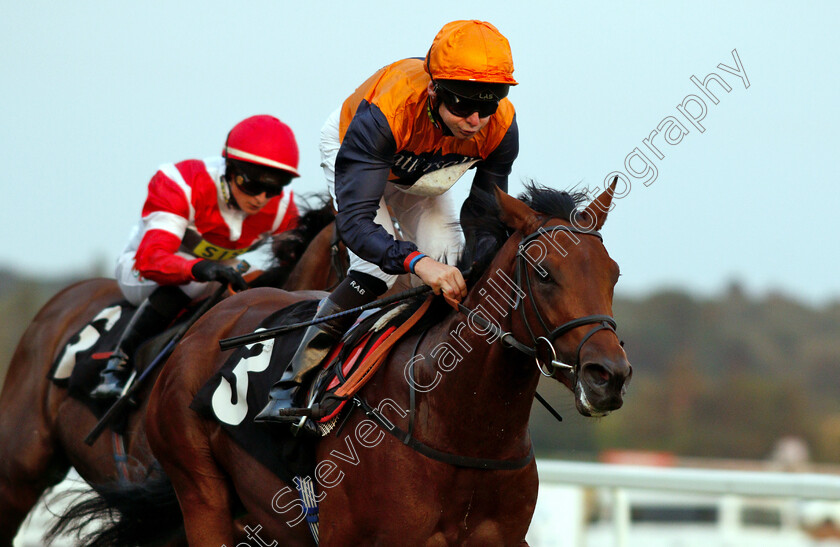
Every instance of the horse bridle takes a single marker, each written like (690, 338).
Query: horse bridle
(604, 322)
(542, 345)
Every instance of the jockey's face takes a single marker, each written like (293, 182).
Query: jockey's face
(248, 204)
(462, 128)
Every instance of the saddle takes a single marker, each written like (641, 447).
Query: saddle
(84, 355)
(238, 390)
(354, 360)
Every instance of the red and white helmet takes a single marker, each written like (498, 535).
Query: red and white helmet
(263, 140)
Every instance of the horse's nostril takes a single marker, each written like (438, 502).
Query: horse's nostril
(596, 374)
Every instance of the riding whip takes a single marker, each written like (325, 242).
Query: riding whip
(135, 382)
(245, 339)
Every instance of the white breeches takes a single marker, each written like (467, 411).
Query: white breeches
(431, 222)
(136, 289)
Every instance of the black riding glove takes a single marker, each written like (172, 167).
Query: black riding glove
(207, 270)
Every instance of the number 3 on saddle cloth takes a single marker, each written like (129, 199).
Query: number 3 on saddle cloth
(238, 391)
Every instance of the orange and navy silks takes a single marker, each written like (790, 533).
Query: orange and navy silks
(388, 134)
(186, 210)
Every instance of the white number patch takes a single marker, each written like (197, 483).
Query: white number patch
(233, 414)
(87, 338)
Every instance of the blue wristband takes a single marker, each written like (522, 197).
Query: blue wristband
(414, 261)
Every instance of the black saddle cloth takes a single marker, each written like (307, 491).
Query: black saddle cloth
(86, 353)
(78, 364)
(239, 389)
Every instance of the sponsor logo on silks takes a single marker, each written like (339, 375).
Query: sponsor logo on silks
(204, 249)
(437, 182)
(409, 166)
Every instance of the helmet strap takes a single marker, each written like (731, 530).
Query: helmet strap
(227, 193)
(433, 111)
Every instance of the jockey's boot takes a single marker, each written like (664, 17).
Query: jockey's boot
(357, 289)
(152, 316)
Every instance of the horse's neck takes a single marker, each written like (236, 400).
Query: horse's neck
(487, 387)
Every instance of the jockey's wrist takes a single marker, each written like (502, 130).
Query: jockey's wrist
(411, 261)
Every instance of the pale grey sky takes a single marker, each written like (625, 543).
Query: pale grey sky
(95, 95)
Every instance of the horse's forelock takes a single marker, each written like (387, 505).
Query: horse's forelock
(550, 202)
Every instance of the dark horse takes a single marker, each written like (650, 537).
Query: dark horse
(468, 476)
(42, 428)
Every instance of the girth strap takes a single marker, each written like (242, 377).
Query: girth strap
(438, 455)
(120, 457)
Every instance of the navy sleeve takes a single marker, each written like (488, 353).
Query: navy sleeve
(491, 172)
(361, 172)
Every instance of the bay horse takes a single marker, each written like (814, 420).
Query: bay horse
(42, 428)
(466, 475)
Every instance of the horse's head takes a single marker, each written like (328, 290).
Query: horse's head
(566, 279)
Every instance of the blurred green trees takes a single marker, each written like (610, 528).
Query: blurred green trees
(721, 377)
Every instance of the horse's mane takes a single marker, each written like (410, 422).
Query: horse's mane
(289, 246)
(486, 233)
(489, 233)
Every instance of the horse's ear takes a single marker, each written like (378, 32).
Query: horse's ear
(596, 213)
(515, 214)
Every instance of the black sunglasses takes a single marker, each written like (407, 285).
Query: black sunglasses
(255, 187)
(463, 108)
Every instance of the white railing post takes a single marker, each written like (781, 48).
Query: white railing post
(730, 487)
(730, 508)
(621, 516)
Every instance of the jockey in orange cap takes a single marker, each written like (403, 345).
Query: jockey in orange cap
(402, 140)
(198, 217)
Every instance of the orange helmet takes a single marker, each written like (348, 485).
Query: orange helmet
(465, 54)
(264, 141)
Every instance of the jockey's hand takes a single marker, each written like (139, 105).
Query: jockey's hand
(441, 277)
(207, 270)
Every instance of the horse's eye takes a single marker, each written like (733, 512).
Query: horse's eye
(544, 276)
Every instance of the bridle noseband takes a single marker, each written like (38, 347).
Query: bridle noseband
(542, 345)
(604, 322)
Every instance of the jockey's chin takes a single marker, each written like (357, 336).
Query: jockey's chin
(463, 128)
(249, 204)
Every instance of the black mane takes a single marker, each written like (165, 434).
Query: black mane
(487, 233)
(289, 246)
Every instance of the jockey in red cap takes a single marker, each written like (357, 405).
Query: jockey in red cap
(198, 217)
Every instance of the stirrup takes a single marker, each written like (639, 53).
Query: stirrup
(294, 412)
(113, 378)
(304, 427)
(275, 410)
